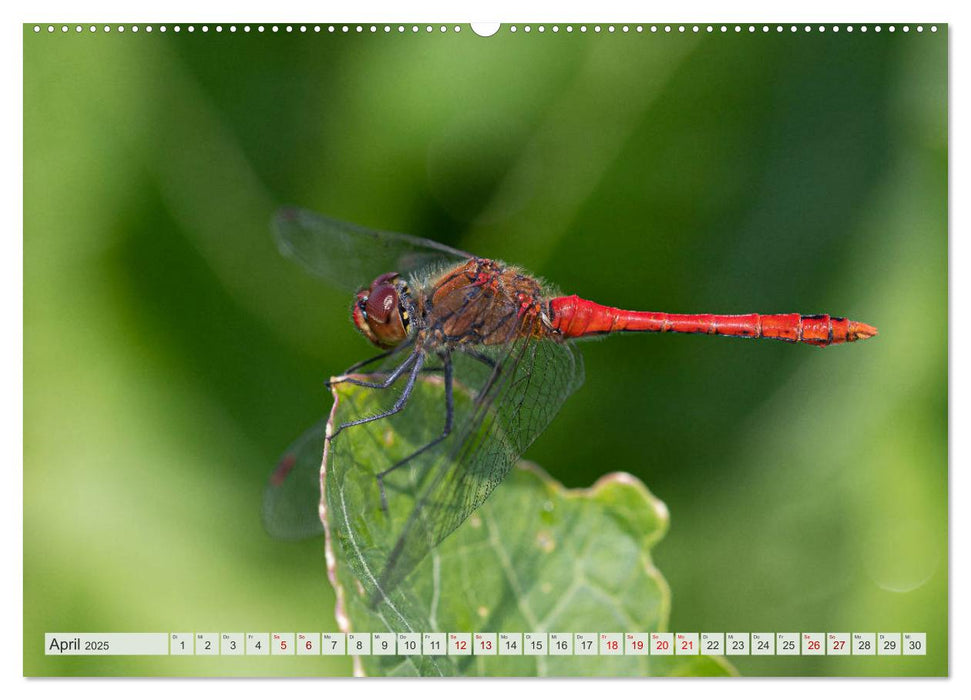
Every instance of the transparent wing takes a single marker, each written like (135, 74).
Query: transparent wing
(504, 398)
(523, 392)
(350, 256)
(291, 499)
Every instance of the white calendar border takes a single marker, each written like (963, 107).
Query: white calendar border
(829, 10)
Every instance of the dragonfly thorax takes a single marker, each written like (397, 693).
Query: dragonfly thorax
(384, 311)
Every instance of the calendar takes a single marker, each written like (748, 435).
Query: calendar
(486, 644)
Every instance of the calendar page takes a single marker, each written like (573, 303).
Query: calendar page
(309, 386)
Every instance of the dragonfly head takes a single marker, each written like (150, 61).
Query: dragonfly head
(382, 312)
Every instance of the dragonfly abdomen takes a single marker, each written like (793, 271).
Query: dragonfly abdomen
(575, 317)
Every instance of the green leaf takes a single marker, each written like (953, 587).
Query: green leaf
(535, 558)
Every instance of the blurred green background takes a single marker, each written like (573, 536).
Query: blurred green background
(171, 354)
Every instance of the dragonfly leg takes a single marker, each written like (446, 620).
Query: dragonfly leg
(449, 415)
(484, 359)
(418, 359)
(371, 360)
(389, 380)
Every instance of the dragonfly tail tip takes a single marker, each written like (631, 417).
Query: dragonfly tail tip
(860, 331)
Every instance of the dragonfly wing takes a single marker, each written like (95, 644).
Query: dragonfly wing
(291, 499)
(527, 386)
(348, 255)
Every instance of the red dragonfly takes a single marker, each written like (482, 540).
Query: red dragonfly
(489, 329)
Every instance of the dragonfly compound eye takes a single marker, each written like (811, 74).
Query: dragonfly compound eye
(378, 314)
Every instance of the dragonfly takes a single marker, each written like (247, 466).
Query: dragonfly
(498, 346)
